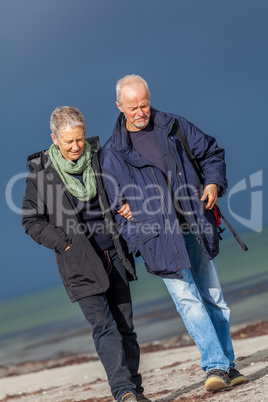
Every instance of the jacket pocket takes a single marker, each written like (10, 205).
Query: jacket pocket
(149, 230)
(78, 262)
(150, 244)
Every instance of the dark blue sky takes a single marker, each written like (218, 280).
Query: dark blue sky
(205, 60)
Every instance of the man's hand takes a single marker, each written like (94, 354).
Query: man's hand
(211, 195)
(125, 212)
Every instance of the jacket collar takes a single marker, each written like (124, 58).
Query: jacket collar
(121, 142)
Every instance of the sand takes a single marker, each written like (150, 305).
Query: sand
(170, 372)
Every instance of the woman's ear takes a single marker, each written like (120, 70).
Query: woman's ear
(54, 139)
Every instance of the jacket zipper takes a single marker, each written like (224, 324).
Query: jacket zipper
(165, 209)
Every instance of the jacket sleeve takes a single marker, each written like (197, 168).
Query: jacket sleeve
(128, 229)
(209, 155)
(35, 219)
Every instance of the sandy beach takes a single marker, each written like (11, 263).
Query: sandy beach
(170, 370)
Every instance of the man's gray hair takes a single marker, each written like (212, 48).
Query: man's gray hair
(131, 79)
(64, 117)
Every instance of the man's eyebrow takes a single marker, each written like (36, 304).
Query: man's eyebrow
(135, 107)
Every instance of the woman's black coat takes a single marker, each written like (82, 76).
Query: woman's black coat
(50, 218)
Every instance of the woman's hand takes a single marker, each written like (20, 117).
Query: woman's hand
(125, 212)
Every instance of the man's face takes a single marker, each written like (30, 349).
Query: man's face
(71, 143)
(135, 104)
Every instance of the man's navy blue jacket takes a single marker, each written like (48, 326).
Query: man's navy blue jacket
(153, 198)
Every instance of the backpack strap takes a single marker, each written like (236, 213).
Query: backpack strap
(198, 171)
(188, 151)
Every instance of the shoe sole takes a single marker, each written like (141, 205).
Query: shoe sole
(216, 384)
(238, 380)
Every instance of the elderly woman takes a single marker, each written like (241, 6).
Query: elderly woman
(65, 209)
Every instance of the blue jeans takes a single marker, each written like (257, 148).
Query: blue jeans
(110, 317)
(199, 301)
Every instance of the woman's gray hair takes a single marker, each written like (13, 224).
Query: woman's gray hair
(131, 79)
(64, 117)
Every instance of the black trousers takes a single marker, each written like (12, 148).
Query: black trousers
(110, 317)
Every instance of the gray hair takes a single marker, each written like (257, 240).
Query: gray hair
(64, 117)
(131, 79)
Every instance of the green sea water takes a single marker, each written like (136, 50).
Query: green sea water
(46, 324)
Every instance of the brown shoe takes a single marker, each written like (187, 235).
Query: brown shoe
(142, 398)
(129, 397)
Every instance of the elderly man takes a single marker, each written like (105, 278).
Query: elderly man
(171, 224)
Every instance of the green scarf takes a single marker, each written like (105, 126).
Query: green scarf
(67, 168)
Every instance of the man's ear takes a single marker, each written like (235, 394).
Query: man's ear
(119, 107)
(54, 139)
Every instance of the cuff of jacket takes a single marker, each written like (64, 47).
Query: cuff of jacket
(63, 246)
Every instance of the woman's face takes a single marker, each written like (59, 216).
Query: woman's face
(71, 143)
